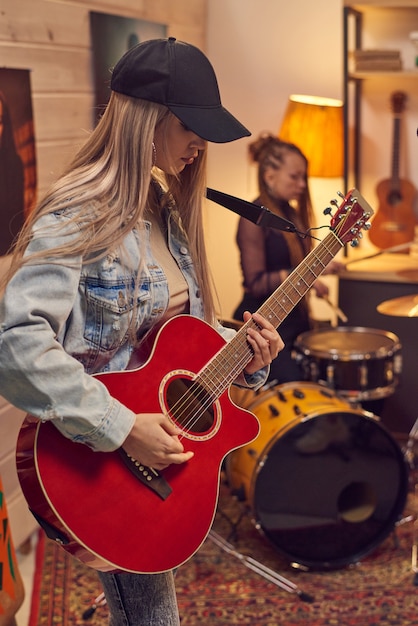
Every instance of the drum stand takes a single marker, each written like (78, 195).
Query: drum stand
(259, 568)
(251, 563)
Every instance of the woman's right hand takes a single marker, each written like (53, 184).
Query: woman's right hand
(321, 289)
(154, 441)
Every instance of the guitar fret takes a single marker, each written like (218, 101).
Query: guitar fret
(224, 368)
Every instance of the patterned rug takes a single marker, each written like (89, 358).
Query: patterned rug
(219, 587)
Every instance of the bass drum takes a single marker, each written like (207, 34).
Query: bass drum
(325, 483)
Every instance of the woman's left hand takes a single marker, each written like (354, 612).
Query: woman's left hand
(264, 340)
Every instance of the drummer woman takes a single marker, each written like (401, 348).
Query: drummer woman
(268, 255)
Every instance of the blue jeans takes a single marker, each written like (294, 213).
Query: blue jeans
(141, 599)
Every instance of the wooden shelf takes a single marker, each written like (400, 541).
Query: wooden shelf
(389, 4)
(385, 75)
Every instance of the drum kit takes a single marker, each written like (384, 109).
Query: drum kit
(325, 482)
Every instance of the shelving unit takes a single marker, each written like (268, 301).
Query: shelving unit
(375, 25)
(368, 136)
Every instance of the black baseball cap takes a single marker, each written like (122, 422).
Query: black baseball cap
(180, 76)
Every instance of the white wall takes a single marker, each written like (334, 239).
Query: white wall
(262, 51)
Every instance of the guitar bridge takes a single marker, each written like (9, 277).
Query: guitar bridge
(147, 475)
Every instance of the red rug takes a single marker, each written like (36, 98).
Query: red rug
(218, 588)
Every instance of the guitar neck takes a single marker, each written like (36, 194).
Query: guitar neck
(398, 100)
(395, 152)
(278, 306)
(225, 366)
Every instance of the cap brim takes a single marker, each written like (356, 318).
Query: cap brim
(213, 124)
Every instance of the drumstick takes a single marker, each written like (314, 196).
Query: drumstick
(336, 309)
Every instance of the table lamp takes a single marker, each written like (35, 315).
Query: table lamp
(315, 125)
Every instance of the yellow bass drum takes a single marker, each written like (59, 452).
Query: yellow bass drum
(325, 483)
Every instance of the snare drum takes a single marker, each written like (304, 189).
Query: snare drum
(325, 483)
(359, 363)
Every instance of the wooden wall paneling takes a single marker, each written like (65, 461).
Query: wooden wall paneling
(62, 124)
(160, 11)
(186, 32)
(43, 21)
(52, 159)
(62, 116)
(54, 69)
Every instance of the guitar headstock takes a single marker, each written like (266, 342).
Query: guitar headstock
(351, 217)
(398, 99)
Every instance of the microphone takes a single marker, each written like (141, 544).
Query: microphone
(257, 214)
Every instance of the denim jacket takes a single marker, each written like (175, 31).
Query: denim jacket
(61, 322)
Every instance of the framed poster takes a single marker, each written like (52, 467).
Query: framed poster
(17, 153)
(112, 36)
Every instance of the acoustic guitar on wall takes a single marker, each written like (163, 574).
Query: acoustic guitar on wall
(395, 220)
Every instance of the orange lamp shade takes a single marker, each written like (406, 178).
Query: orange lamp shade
(315, 125)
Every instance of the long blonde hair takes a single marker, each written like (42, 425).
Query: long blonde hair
(106, 189)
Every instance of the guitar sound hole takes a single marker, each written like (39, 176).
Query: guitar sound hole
(190, 405)
(394, 198)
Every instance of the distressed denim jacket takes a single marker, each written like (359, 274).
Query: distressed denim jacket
(61, 322)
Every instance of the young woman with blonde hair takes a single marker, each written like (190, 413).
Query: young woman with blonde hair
(115, 249)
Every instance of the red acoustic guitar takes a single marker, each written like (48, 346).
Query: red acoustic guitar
(394, 222)
(116, 515)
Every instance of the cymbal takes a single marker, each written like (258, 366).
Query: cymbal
(406, 306)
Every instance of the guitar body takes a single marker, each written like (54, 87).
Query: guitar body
(102, 513)
(394, 222)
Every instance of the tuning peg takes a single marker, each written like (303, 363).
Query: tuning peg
(354, 243)
(367, 226)
(327, 211)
